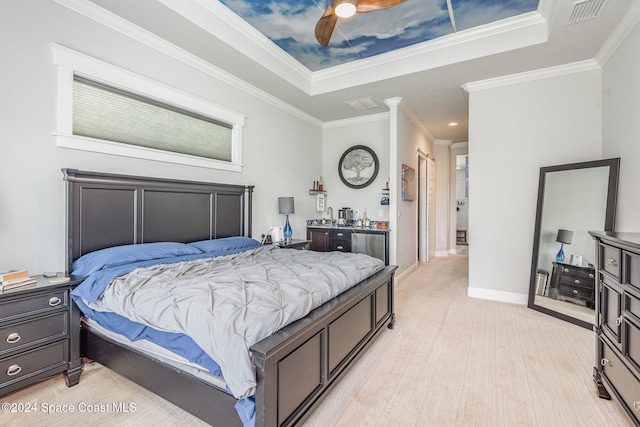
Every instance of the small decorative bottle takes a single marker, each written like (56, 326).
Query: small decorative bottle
(320, 185)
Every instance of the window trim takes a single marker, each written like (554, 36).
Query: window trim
(69, 63)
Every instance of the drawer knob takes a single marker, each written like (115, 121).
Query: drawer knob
(565, 269)
(13, 338)
(604, 361)
(577, 282)
(619, 321)
(53, 301)
(339, 247)
(576, 292)
(636, 405)
(14, 370)
(611, 261)
(591, 276)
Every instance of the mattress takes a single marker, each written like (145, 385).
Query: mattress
(155, 351)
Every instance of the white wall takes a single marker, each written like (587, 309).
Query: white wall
(373, 132)
(514, 130)
(621, 125)
(444, 226)
(282, 150)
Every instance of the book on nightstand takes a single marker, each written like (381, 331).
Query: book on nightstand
(10, 279)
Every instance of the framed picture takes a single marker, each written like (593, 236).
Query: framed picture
(358, 166)
(408, 183)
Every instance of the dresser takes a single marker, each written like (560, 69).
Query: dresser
(37, 339)
(574, 283)
(617, 369)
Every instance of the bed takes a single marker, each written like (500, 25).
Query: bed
(295, 366)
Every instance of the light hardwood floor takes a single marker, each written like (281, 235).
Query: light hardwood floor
(450, 361)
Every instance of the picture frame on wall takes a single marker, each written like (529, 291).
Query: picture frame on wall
(358, 166)
(408, 183)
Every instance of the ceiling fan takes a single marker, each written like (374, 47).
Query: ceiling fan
(346, 9)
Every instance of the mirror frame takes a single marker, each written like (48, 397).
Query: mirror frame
(610, 214)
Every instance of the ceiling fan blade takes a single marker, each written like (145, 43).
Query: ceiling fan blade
(370, 5)
(325, 26)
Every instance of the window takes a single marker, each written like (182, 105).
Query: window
(105, 109)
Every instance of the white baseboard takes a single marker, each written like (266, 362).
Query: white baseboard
(501, 296)
(400, 277)
(442, 253)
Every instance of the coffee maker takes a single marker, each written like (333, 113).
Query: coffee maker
(345, 216)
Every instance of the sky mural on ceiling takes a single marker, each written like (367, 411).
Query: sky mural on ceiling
(290, 24)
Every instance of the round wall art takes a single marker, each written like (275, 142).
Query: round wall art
(358, 166)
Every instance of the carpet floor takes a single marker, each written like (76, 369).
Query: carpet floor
(451, 360)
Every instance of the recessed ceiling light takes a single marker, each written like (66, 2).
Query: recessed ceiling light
(453, 124)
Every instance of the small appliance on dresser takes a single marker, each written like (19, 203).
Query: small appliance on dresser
(617, 369)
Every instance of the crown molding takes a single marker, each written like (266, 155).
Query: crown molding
(629, 21)
(116, 23)
(544, 73)
(357, 120)
(460, 145)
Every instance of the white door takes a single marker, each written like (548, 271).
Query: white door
(427, 210)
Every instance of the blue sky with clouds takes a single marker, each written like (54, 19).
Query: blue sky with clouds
(290, 24)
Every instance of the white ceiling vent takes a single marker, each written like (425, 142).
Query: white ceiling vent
(362, 103)
(586, 10)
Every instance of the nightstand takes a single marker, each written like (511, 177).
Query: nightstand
(295, 244)
(37, 338)
(575, 284)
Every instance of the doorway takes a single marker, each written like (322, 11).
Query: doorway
(426, 208)
(462, 204)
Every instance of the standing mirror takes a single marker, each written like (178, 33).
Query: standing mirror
(573, 199)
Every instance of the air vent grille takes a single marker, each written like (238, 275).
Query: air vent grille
(362, 103)
(586, 10)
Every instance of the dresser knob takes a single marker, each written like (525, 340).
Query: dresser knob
(53, 301)
(13, 338)
(611, 261)
(591, 276)
(636, 405)
(14, 370)
(576, 292)
(577, 282)
(618, 321)
(565, 269)
(604, 361)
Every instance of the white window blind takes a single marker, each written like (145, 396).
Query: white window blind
(107, 113)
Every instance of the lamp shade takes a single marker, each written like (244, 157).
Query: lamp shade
(285, 205)
(564, 236)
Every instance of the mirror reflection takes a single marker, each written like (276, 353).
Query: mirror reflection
(572, 200)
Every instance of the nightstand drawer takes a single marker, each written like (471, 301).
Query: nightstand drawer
(578, 272)
(580, 282)
(18, 307)
(576, 292)
(31, 363)
(22, 334)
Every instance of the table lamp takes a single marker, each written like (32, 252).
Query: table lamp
(564, 236)
(285, 206)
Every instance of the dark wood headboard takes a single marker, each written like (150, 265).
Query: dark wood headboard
(105, 210)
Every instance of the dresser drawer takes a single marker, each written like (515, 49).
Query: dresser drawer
(610, 260)
(576, 281)
(22, 334)
(34, 362)
(632, 261)
(621, 379)
(18, 307)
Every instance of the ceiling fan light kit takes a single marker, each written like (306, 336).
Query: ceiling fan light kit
(346, 8)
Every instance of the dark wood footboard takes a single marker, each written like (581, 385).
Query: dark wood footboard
(297, 366)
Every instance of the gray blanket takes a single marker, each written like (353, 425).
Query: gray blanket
(226, 304)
